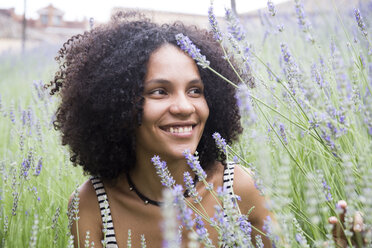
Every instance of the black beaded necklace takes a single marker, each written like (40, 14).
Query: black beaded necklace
(147, 200)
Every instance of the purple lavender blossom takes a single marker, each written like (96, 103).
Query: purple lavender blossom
(285, 52)
(271, 7)
(291, 69)
(220, 142)
(214, 25)
(38, 167)
(245, 225)
(202, 232)
(282, 133)
(327, 190)
(304, 24)
(234, 27)
(193, 162)
(11, 114)
(187, 46)
(360, 21)
(185, 213)
(91, 23)
(226, 228)
(269, 71)
(300, 12)
(317, 76)
(190, 187)
(23, 117)
(370, 73)
(163, 172)
(26, 165)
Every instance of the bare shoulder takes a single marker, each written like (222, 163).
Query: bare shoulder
(88, 215)
(87, 196)
(244, 187)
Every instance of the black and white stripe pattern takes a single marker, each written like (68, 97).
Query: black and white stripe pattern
(228, 177)
(105, 212)
(228, 180)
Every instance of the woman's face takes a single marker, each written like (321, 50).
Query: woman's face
(175, 110)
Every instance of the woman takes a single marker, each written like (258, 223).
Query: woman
(129, 93)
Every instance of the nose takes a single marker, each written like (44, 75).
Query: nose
(182, 105)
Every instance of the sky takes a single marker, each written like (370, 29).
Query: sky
(100, 9)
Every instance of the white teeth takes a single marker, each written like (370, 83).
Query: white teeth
(180, 129)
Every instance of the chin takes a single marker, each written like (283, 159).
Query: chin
(177, 152)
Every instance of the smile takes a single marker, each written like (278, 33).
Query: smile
(178, 129)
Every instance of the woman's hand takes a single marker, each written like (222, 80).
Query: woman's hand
(339, 227)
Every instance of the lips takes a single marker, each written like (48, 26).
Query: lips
(178, 129)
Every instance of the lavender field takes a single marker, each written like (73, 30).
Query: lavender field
(305, 94)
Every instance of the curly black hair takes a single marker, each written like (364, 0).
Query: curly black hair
(100, 81)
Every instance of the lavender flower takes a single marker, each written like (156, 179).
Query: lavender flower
(87, 237)
(15, 203)
(285, 52)
(91, 23)
(302, 21)
(75, 206)
(291, 69)
(271, 7)
(55, 218)
(163, 172)
(220, 142)
(259, 243)
(202, 232)
(244, 68)
(11, 113)
(187, 46)
(317, 76)
(226, 234)
(143, 241)
(185, 213)
(360, 21)
(193, 162)
(190, 187)
(245, 225)
(214, 25)
(25, 168)
(38, 167)
(327, 190)
(282, 133)
(129, 239)
(70, 241)
(300, 236)
(234, 27)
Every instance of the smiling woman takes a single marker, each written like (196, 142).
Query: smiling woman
(129, 93)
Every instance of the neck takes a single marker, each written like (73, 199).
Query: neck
(146, 180)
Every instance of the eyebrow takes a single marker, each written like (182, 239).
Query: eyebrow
(165, 81)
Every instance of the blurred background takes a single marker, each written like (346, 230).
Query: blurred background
(25, 24)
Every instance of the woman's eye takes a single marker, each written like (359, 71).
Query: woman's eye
(158, 92)
(195, 91)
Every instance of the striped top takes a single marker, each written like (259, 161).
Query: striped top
(108, 225)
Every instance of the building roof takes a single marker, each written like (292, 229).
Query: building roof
(48, 9)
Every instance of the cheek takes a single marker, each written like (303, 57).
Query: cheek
(205, 111)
